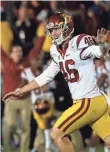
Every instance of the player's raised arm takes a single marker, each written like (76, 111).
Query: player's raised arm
(44, 78)
(89, 49)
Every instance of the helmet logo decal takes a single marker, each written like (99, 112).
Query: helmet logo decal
(68, 18)
(61, 23)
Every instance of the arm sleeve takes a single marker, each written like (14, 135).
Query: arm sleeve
(48, 75)
(91, 51)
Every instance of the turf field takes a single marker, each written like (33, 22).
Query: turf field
(98, 149)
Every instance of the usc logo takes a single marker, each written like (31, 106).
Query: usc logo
(67, 17)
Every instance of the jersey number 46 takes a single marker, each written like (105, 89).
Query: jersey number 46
(70, 75)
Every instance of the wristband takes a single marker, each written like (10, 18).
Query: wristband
(103, 44)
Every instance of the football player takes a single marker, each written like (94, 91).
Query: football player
(73, 56)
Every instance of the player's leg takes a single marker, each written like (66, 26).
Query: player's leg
(83, 112)
(94, 140)
(76, 138)
(102, 128)
(62, 141)
(59, 134)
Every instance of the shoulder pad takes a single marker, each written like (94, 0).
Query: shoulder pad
(83, 41)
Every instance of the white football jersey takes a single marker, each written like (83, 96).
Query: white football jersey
(28, 75)
(77, 66)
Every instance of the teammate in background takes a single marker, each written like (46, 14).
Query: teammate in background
(73, 56)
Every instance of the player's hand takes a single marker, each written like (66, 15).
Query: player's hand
(12, 95)
(102, 36)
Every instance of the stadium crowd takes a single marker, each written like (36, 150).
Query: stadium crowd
(26, 123)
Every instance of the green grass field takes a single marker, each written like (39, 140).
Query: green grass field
(98, 149)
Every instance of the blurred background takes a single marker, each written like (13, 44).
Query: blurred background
(27, 122)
